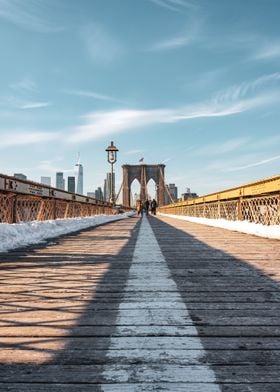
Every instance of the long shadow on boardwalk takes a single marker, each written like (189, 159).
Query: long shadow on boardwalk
(234, 305)
(59, 306)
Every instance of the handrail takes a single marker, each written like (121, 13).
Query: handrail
(23, 200)
(262, 187)
(32, 188)
(257, 202)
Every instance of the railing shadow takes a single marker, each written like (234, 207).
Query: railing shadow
(59, 306)
(234, 304)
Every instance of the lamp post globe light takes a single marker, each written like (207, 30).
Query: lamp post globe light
(112, 158)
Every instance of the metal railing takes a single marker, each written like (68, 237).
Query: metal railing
(257, 202)
(22, 201)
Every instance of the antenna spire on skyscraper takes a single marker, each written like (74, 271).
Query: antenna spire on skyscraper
(80, 175)
(78, 162)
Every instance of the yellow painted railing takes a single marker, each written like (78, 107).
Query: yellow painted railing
(22, 201)
(257, 202)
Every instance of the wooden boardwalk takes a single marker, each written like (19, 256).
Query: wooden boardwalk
(153, 304)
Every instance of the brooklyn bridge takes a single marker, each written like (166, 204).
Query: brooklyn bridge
(152, 303)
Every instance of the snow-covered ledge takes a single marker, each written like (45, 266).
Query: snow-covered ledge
(260, 230)
(21, 234)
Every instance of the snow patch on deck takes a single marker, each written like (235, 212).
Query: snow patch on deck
(258, 229)
(22, 234)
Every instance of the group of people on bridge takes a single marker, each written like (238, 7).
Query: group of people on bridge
(146, 206)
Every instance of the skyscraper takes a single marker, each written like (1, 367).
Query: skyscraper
(46, 180)
(80, 174)
(71, 184)
(108, 183)
(98, 193)
(105, 194)
(171, 194)
(60, 183)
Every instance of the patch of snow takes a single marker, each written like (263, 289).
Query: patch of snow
(21, 234)
(258, 229)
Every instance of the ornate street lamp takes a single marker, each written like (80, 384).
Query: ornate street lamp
(112, 158)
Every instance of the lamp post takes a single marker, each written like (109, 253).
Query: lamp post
(112, 158)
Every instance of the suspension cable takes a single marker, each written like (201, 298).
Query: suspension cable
(118, 194)
(166, 187)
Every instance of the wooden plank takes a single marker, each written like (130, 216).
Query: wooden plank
(143, 387)
(72, 305)
(121, 373)
(88, 355)
(132, 330)
(65, 306)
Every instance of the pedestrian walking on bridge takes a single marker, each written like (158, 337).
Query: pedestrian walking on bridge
(147, 206)
(139, 207)
(154, 207)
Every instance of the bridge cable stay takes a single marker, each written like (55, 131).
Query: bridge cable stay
(118, 194)
(166, 188)
(146, 187)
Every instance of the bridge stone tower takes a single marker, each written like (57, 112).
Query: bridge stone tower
(143, 173)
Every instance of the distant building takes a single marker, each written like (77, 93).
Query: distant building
(20, 176)
(80, 177)
(134, 199)
(98, 193)
(60, 182)
(171, 194)
(188, 195)
(105, 189)
(46, 180)
(91, 194)
(71, 184)
(109, 182)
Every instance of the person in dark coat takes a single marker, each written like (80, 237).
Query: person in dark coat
(147, 205)
(154, 207)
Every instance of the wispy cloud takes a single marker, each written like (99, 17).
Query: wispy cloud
(259, 163)
(101, 47)
(34, 105)
(174, 5)
(183, 39)
(172, 43)
(222, 148)
(52, 166)
(234, 100)
(27, 14)
(266, 82)
(24, 104)
(25, 95)
(94, 95)
(100, 124)
(25, 85)
(268, 51)
(133, 152)
(266, 142)
(25, 138)
(166, 160)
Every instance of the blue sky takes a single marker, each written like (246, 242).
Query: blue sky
(193, 84)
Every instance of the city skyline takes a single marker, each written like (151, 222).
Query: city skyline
(190, 84)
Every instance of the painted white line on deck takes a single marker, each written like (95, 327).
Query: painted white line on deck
(153, 358)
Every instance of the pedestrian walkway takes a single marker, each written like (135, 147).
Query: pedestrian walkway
(142, 305)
